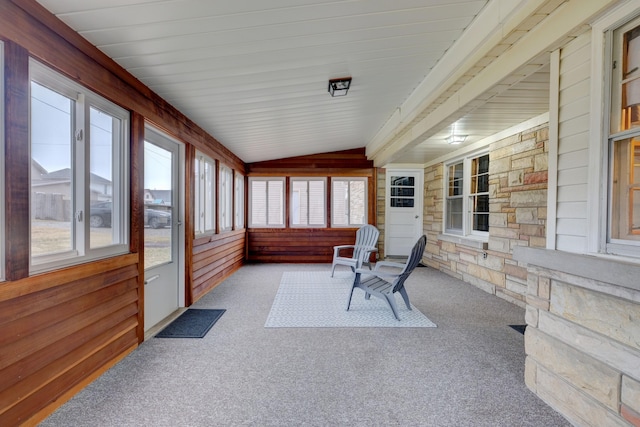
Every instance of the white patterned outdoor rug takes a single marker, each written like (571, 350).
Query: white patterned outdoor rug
(314, 299)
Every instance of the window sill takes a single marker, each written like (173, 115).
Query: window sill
(470, 241)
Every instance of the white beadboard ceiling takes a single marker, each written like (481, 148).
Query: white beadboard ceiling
(254, 73)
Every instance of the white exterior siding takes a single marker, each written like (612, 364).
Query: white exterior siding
(573, 142)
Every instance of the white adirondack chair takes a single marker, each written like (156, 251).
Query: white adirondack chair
(366, 241)
(383, 283)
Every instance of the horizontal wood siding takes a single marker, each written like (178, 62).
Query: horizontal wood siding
(296, 245)
(57, 329)
(573, 141)
(214, 258)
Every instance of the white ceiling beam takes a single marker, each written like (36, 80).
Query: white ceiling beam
(560, 25)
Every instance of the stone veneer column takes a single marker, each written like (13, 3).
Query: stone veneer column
(583, 336)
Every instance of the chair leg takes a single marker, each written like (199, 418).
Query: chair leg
(349, 301)
(405, 297)
(333, 268)
(392, 303)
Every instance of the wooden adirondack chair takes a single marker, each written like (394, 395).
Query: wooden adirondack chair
(366, 240)
(384, 284)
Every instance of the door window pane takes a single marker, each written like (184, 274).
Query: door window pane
(402, 191)
(158, 179)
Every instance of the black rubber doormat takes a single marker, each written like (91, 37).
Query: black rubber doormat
(193, 323)
(519, 328)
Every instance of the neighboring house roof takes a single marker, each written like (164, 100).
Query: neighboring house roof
(64, 175)
(159, 196)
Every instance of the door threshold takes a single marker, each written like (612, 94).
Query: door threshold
(163, 323)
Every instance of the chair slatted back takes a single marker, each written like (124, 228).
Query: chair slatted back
(412, 262)
(366, 238)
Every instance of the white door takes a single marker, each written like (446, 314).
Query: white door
(163, 261)
(403, 222)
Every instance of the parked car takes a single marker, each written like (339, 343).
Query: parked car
(155, 218)
(100, 216)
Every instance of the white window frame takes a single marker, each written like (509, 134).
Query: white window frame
(349, 224)
(293, 207)
(86, 99)
(225, 198)
(467, 214)
(601, 136)
(283, 196)
(204, 200)
(238, 200)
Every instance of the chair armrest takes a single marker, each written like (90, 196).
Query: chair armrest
(337, 249)
(386, 275)
(388, 264)
(344, 246)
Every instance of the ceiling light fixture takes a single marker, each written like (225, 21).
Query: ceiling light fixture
(456, 139)
(339, 87)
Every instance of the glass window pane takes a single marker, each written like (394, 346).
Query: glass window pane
(317, 200)
(275, 190)
(299, 198)
(454, 214)
(401, 181)
(357, 203)
(259, 202)
(208, 203)
(349, 202)
(52, 183)
(455, 179)
(239, 201)
(339, 202)
(104, 134)
(157, 215)
(226, 197)
(307, 202)
(631, 80)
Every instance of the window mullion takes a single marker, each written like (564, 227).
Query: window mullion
(80, 175)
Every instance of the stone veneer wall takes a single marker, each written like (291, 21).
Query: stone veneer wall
(380, 209)
(518, 198)
(583, 336)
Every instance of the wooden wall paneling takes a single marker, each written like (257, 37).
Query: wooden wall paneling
(215, 257)
(372, 197)
(137, 208)
(17, 161)
(189, 226)
(48, 334)
(297, 245)
(34, 407)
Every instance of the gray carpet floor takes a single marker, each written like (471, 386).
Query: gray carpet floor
(466, 372)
